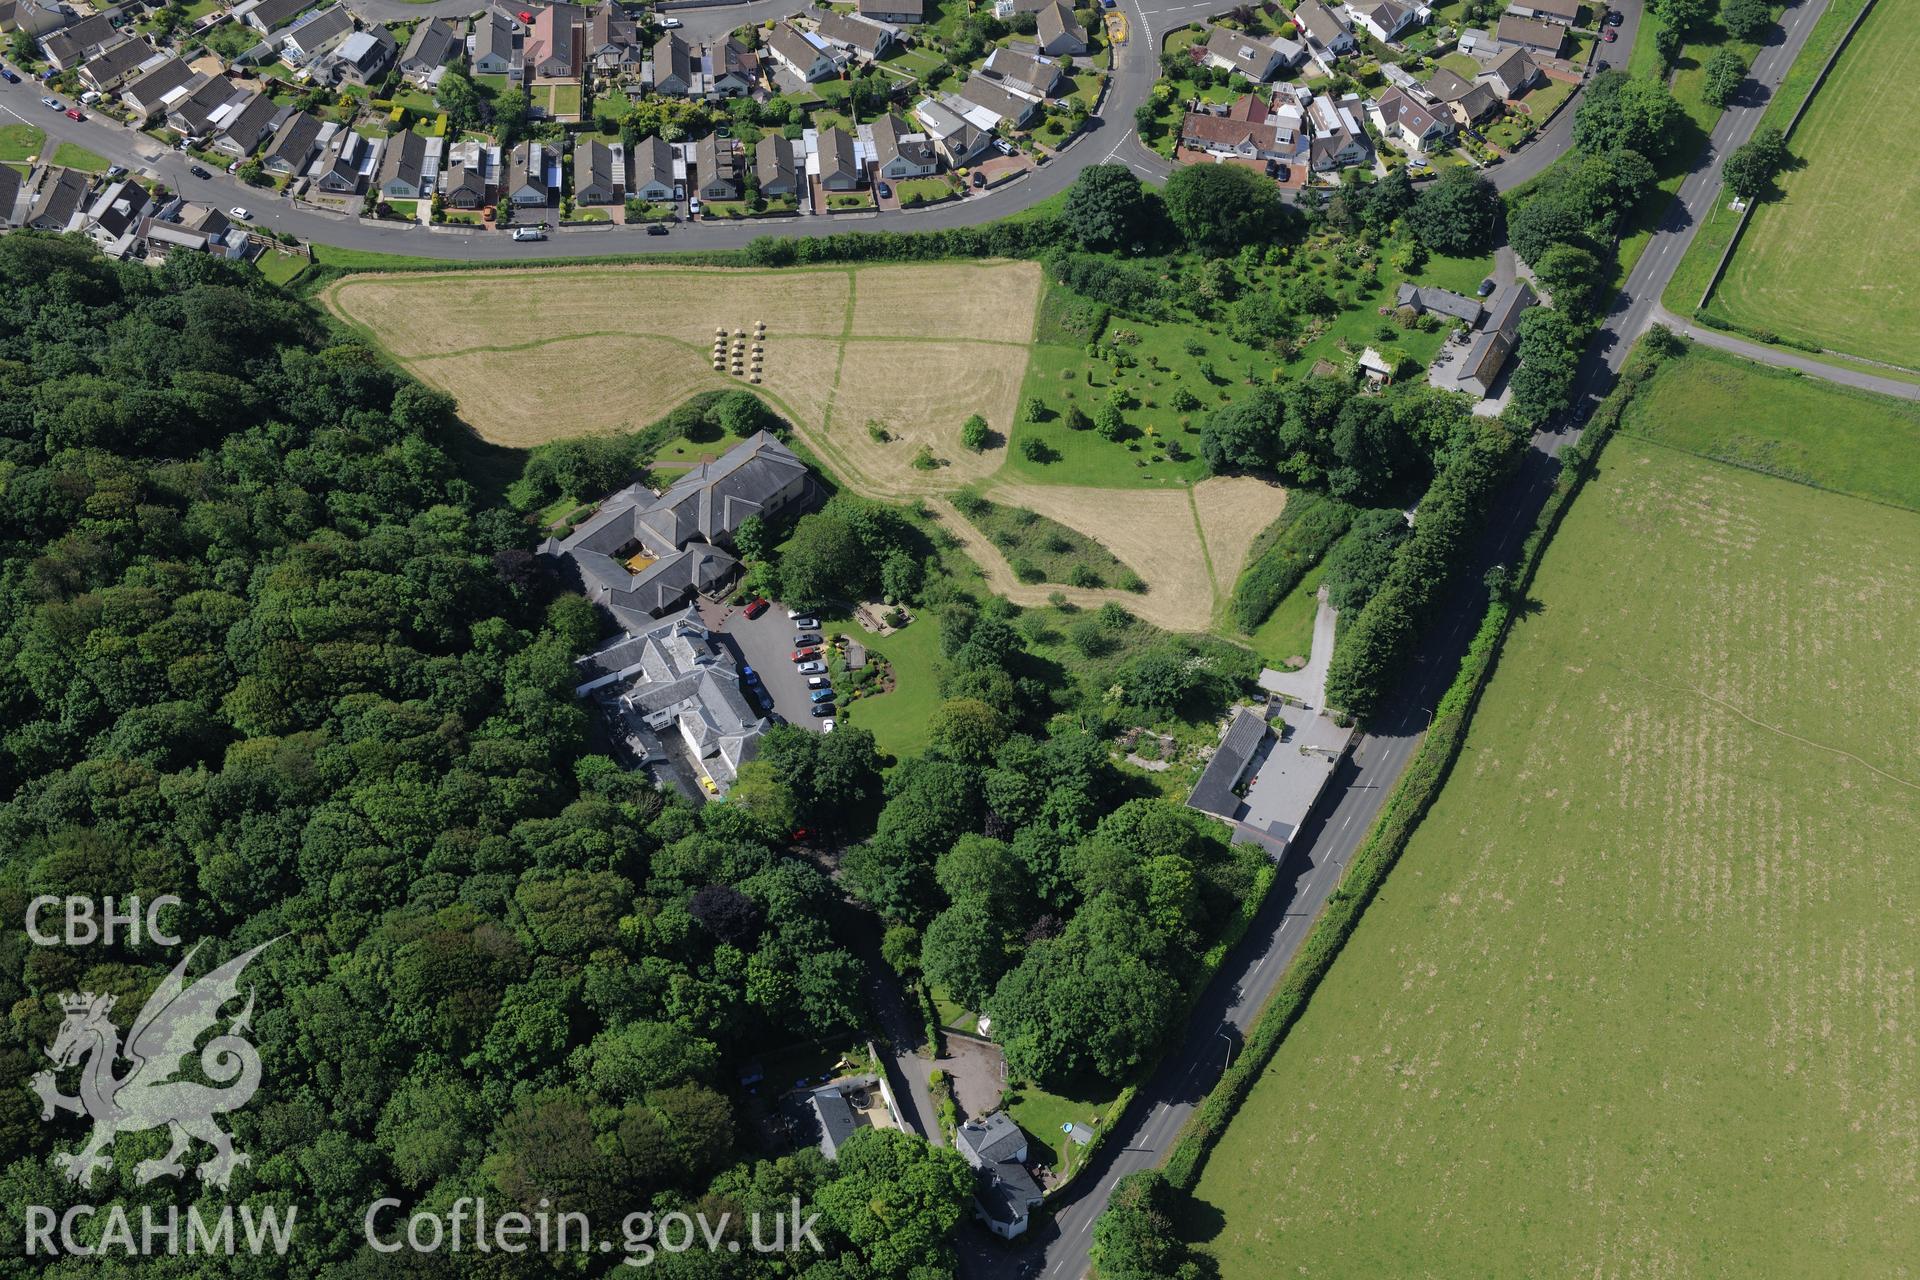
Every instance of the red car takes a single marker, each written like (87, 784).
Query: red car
(1609, 35)
(756, 606)
(74, 113)
(804, 655)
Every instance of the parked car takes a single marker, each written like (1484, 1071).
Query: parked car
(75, 113)
(6, 73)
(805, 655)
(1615, 18)
(980, 180)
(693, 206)
(671, 24)
(1609, 35)
(886, 192)
(794, 616)
(820, 695)
(656, 228)
(115, 172)
(805, 639)
(808, 623)
(1486, 287)
(827, 725)
(240, 213)
(756, 606)
(55, 103)
(197, 171)
(818, 682)
(529, 233)
(811, 668)
(823, 710)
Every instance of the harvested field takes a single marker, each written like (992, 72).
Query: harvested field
(994, 302)
(1639, 997)
(921, 392)
(1232, 511)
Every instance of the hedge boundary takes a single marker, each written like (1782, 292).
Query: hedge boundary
(1417, 789)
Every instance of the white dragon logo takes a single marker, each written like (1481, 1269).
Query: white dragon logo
(151, 1094)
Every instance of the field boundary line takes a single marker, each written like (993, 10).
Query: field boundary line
(1206, 553)
(1739, 465)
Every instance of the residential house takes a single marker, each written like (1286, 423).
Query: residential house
(113, 219)
(193, 114)
(1339, 139)
(556, 47)
(1037, 76)
(599, 173)
(316, 34)
(269, 16)
(843, 1107)
(1008, 9)
(294, 143)
(840, 168)
(804, 54)
(240, 130)
(1470, 101)
(1250, 57)
(403, 170)
(1564, 12)
(1410, 119)
(1499, 333)
(10, 186)
(1384, 20)
(71, 46)
(729, 68)
(1425, 298)
(1511, 74)
(959, 140)
(682, 533)
(117, 63)
(650, 170)
(1004, 1192)
(471, 174)
(898, 152)
(1001, 100)
(871, 40)
(35, 17)
(346, 164)
(897, 12)
(495, 46)
(63, 193)
(196, 228)
(774, 168)
(528, 182)
(145, 94)
(1531, 34)
(1058, 32)
(717, 161)
(364, 56)
(1325, 32)
(1251, 129)
(673, 70)
(433, 44)
(612, 39)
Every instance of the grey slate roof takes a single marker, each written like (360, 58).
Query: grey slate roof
(61, 193)
(773, 164)
(432, 44)
(1005, 1191)
(836, 155)
(1428, 298)
(988, 1142)
(9, 193)
(835, 1113)
(109, 66)
(1214, 792)
(649, 160)
(680, 678)
(292, 145)
(1506, 307)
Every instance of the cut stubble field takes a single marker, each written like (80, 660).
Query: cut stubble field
(1640, 996)
(1835, 260)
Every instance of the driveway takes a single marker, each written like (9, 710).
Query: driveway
(763, 643)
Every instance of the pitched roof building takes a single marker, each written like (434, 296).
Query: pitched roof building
(62, 193)
(432, 44)
(1531, 34)
(773, 166)
(1254, 59)
(1058, 32)
(1004, 1192)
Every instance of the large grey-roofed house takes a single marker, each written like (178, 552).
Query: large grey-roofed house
(1255, 59)
(1057, 32)
(1491, 348)
(106, 70)
(1264, 783)
(1531, 33)
(267, 16)
(9, 193)
(62, 193)
(774, 166)
(146, 93)
(317, 33)
(845, 1106)
(867, 37)
(675, 693)
(680, 534)
(433, 44)
(1425, 298)
(1004, 1192)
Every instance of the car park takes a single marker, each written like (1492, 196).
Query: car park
(805, 655)
(819, 682)
(756, 606)
(823, 710)
(812, 668)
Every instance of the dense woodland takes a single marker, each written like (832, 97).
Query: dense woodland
(265, 649)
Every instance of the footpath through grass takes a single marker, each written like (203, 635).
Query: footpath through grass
(1634, 999)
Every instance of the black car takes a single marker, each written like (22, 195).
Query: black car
(821, 710)
(979, 179)
(886, 192)
(1486, 286)
(1615, 18)
(656, 228)
(197, 171)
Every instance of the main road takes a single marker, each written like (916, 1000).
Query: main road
(1110, 139)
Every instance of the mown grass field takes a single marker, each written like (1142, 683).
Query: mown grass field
(1639, 999)
(1835, 260)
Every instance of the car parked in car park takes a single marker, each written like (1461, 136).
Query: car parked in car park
(756, 606)
(805, 639)
(812, 668)
(828, 725)
(819, 682)
(808, 623)
(822, 710)
(805, 655)
(821, 695)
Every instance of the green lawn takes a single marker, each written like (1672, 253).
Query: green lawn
(564, 100)
(1043, 550)
(1636, 999)
(1040, 1115)
(19, 142)
(281, 267)
(681, 453)
(1835, 261)
(898, 719)
(953, 1015)
(928, 189)
(1727, 409)
(1288, 631)
(75, 156)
